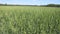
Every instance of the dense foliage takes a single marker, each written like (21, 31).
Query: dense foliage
(29, 20)
(53, 5)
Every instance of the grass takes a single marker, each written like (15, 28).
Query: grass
(29, 20)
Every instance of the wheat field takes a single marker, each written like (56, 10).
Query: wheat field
(29, 20)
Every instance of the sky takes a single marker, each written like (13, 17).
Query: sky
(30, 2)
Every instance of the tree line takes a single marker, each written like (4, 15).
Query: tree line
(49, 5)
(53, 5)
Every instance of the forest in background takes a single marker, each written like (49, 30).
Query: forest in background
(48, 5)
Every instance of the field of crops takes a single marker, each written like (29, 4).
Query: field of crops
(29, 20)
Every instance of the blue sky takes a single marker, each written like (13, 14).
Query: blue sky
(30, 2)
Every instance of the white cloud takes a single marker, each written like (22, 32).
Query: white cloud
(34, 0)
